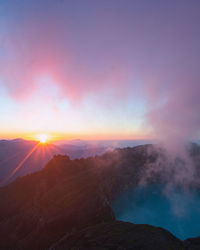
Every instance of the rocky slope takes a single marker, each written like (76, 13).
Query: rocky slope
(119, 235)
(65, 196)
(70, 199)
(192, 244)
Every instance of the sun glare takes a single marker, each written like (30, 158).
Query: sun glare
(43, 138)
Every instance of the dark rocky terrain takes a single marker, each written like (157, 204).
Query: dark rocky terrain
(192, 244)
(67, 205)
(119, 235)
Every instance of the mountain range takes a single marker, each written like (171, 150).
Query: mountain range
(67, 205)
(20, 157)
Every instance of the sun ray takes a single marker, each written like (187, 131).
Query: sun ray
(20, 164)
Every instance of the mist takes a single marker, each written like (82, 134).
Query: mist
(148, 205)
(168, 192)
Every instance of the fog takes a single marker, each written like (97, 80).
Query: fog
(150, 205)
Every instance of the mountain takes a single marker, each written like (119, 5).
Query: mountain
(65, 196)
(67, 205)
(20, 157)
(81, 151)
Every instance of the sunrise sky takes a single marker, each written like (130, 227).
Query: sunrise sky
(99, 69)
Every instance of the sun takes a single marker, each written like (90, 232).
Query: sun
(43, 138)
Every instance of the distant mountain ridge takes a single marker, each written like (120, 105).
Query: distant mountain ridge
(13, 153)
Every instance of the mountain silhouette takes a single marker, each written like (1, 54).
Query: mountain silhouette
(20, 157)
(67, 205)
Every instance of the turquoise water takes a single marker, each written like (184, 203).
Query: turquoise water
(176, 211)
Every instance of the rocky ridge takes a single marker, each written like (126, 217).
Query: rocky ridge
(67, 205)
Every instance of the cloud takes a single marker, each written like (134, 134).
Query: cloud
(40, 40)
(129, 49)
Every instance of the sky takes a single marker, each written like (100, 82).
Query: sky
(100, 69)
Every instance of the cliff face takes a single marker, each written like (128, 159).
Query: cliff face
(66, 197)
